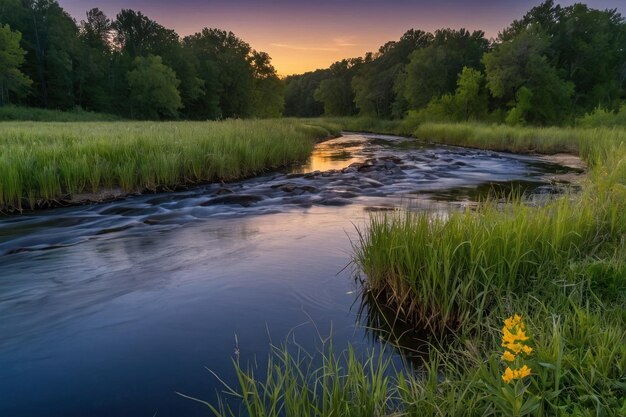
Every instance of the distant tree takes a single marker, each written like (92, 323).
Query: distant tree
(523, 105)
(373, 84)
(93, 64)
(137, 35)
(469, 94)
(153, 89)
(49, 36)
(336, 91)
(95, 32)
(268, 98)
(469, 101)
(193, 87)
(336, 95)
(12, 80)
(300, 94)
(433, 70)
(521, 63)
(585, 46)
(226, 65)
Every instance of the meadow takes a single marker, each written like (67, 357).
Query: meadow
(44, 163)
(525, 304)
(17, 113)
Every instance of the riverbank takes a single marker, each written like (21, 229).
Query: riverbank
(55, 164)
(560, 266)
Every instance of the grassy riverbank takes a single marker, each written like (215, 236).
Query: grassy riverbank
(41, 163)
(16, 113)
(561, 266)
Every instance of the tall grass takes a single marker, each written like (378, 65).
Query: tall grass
(16, 113)
(293, 385)
(368, 124)
(42, 162)
(588, 142)
(446, 272)
(561, 265)
(578, 363)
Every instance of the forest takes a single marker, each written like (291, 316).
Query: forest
(130, 66)
(551, 67)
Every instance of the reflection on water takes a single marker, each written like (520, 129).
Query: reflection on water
(335, 154)
(111, 309)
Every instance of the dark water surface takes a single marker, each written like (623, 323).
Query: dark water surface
(109, 310)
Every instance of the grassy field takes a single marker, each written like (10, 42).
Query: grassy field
(16, 113)
(44, 162)
(561, 266)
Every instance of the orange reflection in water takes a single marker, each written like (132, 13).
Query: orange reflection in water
(333, 154)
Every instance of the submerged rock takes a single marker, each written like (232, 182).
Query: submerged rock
(223, 191)
(243, 200)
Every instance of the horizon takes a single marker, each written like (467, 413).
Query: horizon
(302, 37)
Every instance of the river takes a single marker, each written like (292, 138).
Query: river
(111, 309)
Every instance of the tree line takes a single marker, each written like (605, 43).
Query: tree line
(550, 67)
(131, 66)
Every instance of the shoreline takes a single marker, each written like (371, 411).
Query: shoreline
(108, 195)
(117, 194)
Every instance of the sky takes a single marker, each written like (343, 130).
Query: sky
(303, 35)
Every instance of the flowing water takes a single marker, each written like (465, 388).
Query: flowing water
(111, 309)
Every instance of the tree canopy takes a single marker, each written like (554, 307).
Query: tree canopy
(153, 89)
(551, 66)
(12, 80)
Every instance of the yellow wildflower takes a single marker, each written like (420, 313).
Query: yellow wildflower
(508, 375)
(512, 374)
(507, 336)
(513, 321)
(513, 341)
(513, 347)
(521, 336)
(523, 372)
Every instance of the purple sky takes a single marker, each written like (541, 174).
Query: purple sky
(304, 35)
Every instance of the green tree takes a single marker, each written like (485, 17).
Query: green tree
(49, 36)
(153, 89)
(336, 91)
(520, 63)
(373, 84)
(12, 80)
(470, 95)
(93, 66)
(523, 104)
(585, 46)
(300, 94)
(227, 69)
(433, 70)
(268, 99)
(468, 102)
(137, 35)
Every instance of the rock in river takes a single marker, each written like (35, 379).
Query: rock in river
(243, 200)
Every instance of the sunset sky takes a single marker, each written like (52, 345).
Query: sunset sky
(305, 35)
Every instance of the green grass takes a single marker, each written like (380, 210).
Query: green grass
(16, 113)
(293, 386)
(562, 266)
(588, 143)
(367, 124)
(44, 162)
